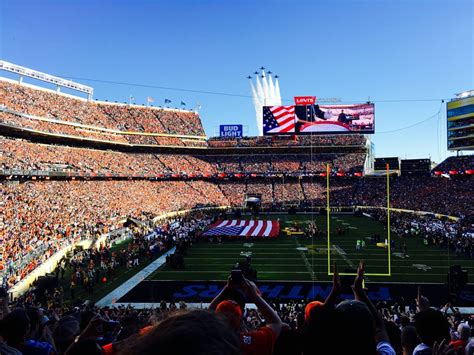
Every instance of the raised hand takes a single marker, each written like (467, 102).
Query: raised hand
(358, 287)
(336, 288)
(443, 348)
(422, 302)
(250, 289)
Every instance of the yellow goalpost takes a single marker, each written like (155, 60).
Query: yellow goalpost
(328, 214)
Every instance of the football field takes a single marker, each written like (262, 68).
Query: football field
(290, 258)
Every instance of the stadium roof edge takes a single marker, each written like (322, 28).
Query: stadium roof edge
(463, 95)
(60, 82)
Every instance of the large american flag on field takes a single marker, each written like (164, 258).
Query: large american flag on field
(244, 228)
(278, 119)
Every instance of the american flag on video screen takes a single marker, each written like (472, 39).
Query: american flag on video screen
(278, 119)
(244, 228)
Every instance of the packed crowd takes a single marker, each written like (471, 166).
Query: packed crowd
(39, 218)
(47, 111)
(94, 133)
(457, 236)
(48, 325)
(25, 155)
(288, 141)
(289, 191)
(461, 163)
(444, 196)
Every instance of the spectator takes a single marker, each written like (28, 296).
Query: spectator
(432, 328)
(15, 327)
(188, 332)
(464, 333)
(409, 339)
(260, 341)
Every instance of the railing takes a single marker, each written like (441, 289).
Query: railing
(100, 129)
(170, 175)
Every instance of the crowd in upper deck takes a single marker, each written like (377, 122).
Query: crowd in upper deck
(47, 111)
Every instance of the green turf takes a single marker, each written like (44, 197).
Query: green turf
(279, 259)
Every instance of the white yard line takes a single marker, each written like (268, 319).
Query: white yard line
(306, 262)
(342, 253)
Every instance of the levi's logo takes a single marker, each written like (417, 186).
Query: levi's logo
(305, 100)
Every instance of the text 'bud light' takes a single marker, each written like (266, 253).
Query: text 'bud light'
(231, 131)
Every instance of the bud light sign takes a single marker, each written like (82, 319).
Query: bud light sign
(231, 131)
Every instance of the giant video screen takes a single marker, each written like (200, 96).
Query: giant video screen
(460, 130)
(319, 119)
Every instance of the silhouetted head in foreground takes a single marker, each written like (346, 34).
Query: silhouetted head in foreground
(190, 332)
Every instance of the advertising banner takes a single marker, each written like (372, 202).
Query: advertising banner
(305, 100)
(154, 291)
(231, 131)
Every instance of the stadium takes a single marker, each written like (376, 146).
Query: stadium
(135, 216)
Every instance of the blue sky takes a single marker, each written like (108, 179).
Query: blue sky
(390, 51)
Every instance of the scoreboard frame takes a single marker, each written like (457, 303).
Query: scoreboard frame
(460, 109)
